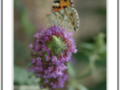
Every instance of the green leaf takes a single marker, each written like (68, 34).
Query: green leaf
(87, 46)
(71, 69)
(21, 77)
(76, 86)
(81, 87)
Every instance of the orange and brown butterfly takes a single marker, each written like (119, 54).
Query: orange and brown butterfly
(63, 14)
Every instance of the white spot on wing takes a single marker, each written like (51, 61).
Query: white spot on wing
(56, 4)
(62, 11)
(65, 17)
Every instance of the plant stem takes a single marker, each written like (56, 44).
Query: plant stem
(85, 73)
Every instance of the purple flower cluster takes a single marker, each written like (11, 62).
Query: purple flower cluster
(51, 51)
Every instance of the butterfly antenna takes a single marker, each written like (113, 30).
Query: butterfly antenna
(44, 7)
(43, 20)
(39, 11)
(35, 9)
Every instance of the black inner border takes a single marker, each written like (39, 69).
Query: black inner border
(1, 44)
(118, 44)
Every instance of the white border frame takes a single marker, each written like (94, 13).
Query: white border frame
(118, 44)
(8, 45)
(0, 49)
(112, 45)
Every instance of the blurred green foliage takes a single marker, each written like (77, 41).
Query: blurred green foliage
(95, 54)
(23, 77)
(27, 26)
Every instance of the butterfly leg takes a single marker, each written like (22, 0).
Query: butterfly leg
(56, 24)
(49, 25)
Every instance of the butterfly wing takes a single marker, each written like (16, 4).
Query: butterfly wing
(64, 15)
(61, 4)
(68, 18)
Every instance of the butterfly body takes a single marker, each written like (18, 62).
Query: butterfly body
(64, 14)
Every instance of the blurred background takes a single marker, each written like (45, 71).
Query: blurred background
(87, 68)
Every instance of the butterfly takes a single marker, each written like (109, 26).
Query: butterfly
(64, 14)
